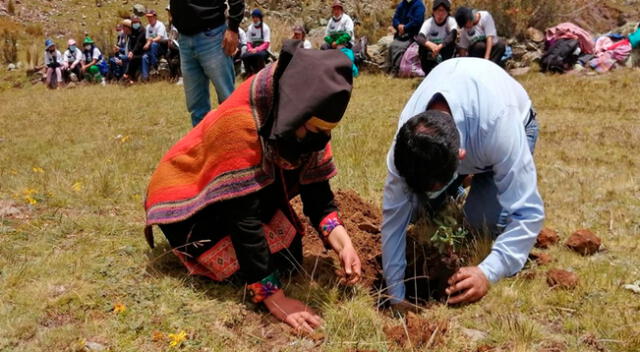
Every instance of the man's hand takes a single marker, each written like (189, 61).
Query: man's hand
(401, 29)
(230, 42)
(351, 265)
(467, 285)
(293, 312)
(436, 50)
(146, 46)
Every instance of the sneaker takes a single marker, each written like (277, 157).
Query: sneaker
(103, 82)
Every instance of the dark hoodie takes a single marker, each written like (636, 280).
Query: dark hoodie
(194, 16)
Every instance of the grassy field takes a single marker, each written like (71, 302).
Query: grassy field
(75, 269)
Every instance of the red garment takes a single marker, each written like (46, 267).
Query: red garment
(571, 31)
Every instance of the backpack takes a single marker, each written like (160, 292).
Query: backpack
(560, 56)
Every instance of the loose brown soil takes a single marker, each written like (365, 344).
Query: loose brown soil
(540, 258)
(584, 242)
(562, 279)
(547, 238)
(417, 332)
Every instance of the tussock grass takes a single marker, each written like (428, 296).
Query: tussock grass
(83, 156)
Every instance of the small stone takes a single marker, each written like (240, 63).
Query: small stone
(546, 238)
(562, 279)
(474, 335)
(11, 67)
(90, 346)
(584, 242)
(535, 35)
(520, 71)
(369, 228)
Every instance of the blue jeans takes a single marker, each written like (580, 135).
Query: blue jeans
(202, 60)
(150, 58)
(117, 71)
(482, 209)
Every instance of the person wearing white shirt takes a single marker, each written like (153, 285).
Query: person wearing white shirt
(71, 61)
(478, 35)
(468, 118)
(300, 34)
(156, 46)
(437, 36)
(339, 22)
(258, 42)
(53, 62)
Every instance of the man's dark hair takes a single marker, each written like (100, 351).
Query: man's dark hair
(426, 150)
(464, 15)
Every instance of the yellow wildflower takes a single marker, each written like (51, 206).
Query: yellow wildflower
(77, 186)
(124, 139)
(119, 308)
(177, 339)
(38, 170)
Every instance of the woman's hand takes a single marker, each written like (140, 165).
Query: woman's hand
(341, 242)
(293, 312)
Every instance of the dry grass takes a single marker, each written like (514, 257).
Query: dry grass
(83, 157)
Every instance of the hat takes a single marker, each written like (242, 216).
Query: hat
(87, 40)
(151, 13)
(48, 43)
(257, 13)
(298, 29)
(71, 42)
(464, 15)
(320, 95)
(337, 3)
(126, 23)
(445, 3)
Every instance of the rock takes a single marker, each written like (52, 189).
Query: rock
(535, 35)
(540, 258)
(11, 67)
(634, 287)
(562, 279)
(369, 228)
(584, 242)
(474, 335)
(90, 346)
(546, 238)
(139, 10)
(520, 71)
(384, 42)
(531, 57)
(8, 209)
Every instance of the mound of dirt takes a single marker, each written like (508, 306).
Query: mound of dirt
(562, 279)
(540, 258)
(547, 238)
(584, 242)
(419, 332)
(362, 221)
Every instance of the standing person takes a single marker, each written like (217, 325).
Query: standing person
(437, 36)
(338, 24)
(71, 61)
(225, 209)
(479, 37)
(300, 34)
(207, 45)
(136, 40)
(91, 61)
(406, 22)
(156, 45)
(258, 41)
(53, 62)
(468, 117)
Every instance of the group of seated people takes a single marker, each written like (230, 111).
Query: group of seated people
(254, 42)
(135, 55)
(442, 36)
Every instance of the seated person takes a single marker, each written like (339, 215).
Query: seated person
(437, 37)
(136, 39)
(258, 41)
(478, 35)
(53, 62)
(91, 62)
(300, 34)
(340, 41)
(173, 48)
(156, 45)
(339, 22)
(407, 20)
(71, 62)
(119, 60)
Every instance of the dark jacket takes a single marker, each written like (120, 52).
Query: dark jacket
(195, 16)
(137, 40)
(411, 15)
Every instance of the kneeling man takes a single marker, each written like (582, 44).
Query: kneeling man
(468, 117)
